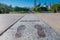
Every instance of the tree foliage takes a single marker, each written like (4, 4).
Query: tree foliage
(55, 7)
(39, 9)
(17, 9)
(4, 8)
(58, 7)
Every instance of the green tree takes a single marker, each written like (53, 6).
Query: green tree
(40, 9)
(54, 8)
(20, 9)
(4, 8)
(58, 7)
(16, 8)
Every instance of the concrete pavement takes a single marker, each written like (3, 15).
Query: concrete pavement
(7, 20)
(52, 20)
(30, 32)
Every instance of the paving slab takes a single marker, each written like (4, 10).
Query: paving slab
(29, 31)
(52, 19)
(7, 20)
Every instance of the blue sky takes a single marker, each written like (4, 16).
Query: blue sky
(26, 3)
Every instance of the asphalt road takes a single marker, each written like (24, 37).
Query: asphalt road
(28, 31)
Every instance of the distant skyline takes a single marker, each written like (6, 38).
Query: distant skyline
(27, 3)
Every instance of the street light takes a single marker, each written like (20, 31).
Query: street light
(34, 3)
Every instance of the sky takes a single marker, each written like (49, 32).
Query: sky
(27, 3)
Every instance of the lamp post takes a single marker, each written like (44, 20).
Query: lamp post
(39, 4)
(34, 3)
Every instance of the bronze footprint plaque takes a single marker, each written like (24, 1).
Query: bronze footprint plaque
(19, 31)
(40, 31)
